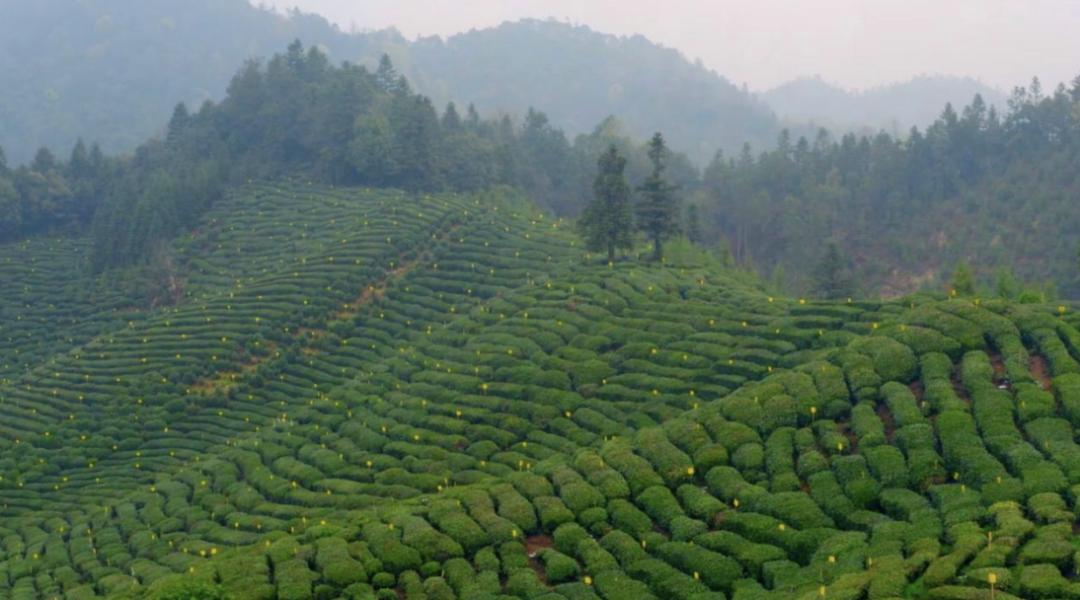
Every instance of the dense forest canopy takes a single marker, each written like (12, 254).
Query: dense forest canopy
(998, 190)
(339, 333)
(904, 210)
(299, 116)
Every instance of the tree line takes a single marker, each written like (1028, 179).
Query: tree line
(993, 189)
(296, 115)
(894, 213)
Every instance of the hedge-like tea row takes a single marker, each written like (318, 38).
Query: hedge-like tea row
(369, 395)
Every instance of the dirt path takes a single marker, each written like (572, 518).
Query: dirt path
(919, 391)
(1040, 370)
(224, 380)
(533, 546)
(376, 290)
(844, 427)
(887, 419)
(958, 386)
(1000, 376)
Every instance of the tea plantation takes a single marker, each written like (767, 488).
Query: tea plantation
(366, 394)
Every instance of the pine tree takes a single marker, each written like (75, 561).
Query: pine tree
(78, 166)
(179, 121)
(658, 207)
(451, 120)
(606, 224)
(44, 161)
(386, 77)
(693, 224)
(832, 278)
(1007, 286)
(963, 282)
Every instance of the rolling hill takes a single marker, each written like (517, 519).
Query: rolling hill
(69, 70)
(373, 394)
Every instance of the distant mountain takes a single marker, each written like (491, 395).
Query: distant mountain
(111, 71)
(579, 76)
(895, 107)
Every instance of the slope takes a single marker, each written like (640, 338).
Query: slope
(434, 396)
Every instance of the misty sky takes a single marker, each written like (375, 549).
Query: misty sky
(762, 43)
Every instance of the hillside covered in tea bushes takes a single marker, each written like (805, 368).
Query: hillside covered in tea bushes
(357, 393)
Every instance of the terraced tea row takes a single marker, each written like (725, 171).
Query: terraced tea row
(484, 414)
(103, 401)
(48, 304)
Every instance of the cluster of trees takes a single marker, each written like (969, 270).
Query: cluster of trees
(978, 186)
(47, 192)
(80, 83)
(299, 116)
(607, 223)
(975, 186)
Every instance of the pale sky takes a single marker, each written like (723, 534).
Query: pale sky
(854, 43)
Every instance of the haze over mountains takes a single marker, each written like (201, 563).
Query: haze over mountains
(895, 108)
(112, 73)
(437, 327)
(77, 83)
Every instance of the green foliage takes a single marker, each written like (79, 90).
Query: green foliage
(657, 206)
(190, 590)
(424, 440)
(606, 222)
(832, 277)
(963, 282)
(890, 198)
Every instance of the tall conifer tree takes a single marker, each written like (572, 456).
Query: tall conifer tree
(658, 206)
(607, 221)
(832, 277)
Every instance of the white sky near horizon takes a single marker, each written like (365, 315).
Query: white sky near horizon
(857, 44)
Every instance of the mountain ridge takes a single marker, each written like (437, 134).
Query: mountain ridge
(894, 107)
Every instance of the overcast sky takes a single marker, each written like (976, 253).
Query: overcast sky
(762, 43)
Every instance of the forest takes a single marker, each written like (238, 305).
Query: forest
(330, 336)
(299, 116)
(903, 211)
(992, 189)
(79, 84)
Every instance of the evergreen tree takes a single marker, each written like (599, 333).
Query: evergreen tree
(451, 120)
(658, 207)
(693, 224)
(10, 208)
(386, 77)
(832, 277)
(1007, 286)
(79, 166)
(178, 122)
(606, 224)
(472, 117)
(963, 282)
(44, 161)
